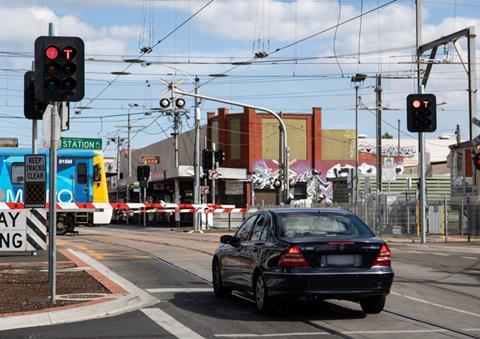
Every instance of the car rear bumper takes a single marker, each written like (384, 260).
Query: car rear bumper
(351, 285)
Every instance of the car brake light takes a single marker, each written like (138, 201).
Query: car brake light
(384, 257)
(293, 257)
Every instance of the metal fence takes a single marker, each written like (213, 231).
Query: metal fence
(395, 216)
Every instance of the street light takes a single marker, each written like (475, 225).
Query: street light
(357, 79)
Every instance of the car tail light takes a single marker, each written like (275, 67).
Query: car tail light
(384, 257)
(293, 257)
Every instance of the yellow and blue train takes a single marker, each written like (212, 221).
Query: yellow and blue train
(81, 178)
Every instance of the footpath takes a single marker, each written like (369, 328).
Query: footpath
(86, 289)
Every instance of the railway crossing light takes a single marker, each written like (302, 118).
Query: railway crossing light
(207, 160)
(60, 68)
(421, 113)
(220, 157)
(32, 108)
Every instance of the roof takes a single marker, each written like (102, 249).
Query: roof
(290, 210)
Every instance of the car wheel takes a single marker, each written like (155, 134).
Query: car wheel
(219, 290)
(263, 300)
(373, 305)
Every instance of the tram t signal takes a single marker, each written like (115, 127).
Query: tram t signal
(421, 113)
(60, 70)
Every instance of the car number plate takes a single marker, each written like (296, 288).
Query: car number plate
(344, 260)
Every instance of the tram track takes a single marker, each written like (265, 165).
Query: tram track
(289, 316)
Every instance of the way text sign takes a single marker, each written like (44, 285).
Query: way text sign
(23, 230)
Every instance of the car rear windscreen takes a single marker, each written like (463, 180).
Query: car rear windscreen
(320, 224)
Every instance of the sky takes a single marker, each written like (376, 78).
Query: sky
(309, 62)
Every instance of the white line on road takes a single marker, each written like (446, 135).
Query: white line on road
(441, 254)
(436, 305)
(179, 290)
(417, 252)
(170, 324)
(253, 335)
(473, 258)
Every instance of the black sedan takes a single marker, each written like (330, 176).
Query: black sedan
(291, 252)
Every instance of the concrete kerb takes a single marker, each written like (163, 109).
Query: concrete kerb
(135, 299)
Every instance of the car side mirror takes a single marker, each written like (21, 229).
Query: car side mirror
(226, 239)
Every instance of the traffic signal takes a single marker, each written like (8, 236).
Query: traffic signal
(219, 157)
(59, 68)
(143, 175)
(476, 161)
(207, 160)
(32, 108)
(421, 113)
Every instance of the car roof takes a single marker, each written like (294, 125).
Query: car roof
(290, 210)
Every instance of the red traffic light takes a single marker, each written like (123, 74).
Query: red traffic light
(416, 103)
(51, 52)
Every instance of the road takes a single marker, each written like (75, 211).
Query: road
(435, 294)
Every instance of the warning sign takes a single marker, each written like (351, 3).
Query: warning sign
(35, 180)
(23, 230)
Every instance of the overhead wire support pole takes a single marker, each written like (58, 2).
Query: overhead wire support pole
(285, 165)
(177, 162)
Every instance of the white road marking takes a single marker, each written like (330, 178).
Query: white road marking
(417, 252)
(253, 335)
(441, 254)
(473, 258)
(436, 305)
(170, 324)
(186, 290)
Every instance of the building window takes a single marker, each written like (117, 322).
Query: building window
(82, 173)
(17, 173)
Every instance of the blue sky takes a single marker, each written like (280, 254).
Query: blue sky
(233, 30)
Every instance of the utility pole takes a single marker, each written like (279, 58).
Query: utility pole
(378, 107)
(421, 136)
(196, 160)
(356, 147)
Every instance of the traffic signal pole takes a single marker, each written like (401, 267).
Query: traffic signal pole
(52, 233)
(284, 151)
(421, 135)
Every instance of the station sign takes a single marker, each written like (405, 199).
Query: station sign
(35, 179)
(81, 143)
(149, 159)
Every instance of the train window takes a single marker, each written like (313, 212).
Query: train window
(17, 173)
(82, 173)
(97, 175)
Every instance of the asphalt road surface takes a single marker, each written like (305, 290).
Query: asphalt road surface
(436, 294)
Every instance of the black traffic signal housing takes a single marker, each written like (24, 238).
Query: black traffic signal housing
(143, 175)
(421, 113)
(219, 157)
(59, 68)
(32, 108)
(207, 160)
(476, 160)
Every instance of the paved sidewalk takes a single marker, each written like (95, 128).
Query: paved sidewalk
(116, 296)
